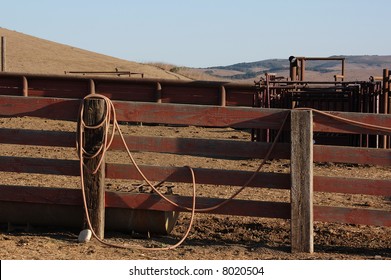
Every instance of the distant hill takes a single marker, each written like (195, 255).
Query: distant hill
(30, 54)
(25, 53)
(358, 67)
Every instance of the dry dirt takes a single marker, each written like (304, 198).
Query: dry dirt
(212, 236)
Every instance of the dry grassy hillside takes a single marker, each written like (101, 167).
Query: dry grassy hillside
(358, 67)
(25, 53)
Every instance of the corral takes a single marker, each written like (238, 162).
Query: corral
(216, 143)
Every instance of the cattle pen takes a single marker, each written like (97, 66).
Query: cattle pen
(208, 104)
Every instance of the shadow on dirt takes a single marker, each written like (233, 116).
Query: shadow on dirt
(265, 241)
(369, 253)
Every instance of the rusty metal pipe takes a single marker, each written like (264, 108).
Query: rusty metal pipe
(321, 58)
(144, 81)
(117, 219)
(25, 87)
(158, 92)
(223, 96)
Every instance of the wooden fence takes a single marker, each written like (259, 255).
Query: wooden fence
(355, 96)
(302, 153)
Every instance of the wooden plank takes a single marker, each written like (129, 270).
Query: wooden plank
(154, 173)
(39, 166)
(352, 185)
(208, 116)
(352, 215)
(327, 124)
(50, 108)
(203, 147)
(235, 207)
(212, 116)
(45, 195)
(62, 196)
(3, 55)
(66, 109)
(302, 182)
(37, 137)
(352, 155)
(202, 176)
(38, 214)
(94, 167)
(185, 146)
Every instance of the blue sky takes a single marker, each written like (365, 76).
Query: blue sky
(203, 33)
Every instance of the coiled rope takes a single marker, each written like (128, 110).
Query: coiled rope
(110, 117)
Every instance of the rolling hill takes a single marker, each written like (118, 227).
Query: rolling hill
(358, 67)
(28, 54)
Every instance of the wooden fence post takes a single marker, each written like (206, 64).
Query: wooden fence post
(3, 54)
(94, 112)
(302, 181)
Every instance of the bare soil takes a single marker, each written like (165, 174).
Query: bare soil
(212, 236)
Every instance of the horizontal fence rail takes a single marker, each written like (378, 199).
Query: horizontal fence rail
(154, 173)
(204, 176)
(205, 116)
(175, 114)
(72, 197)
(354, 96)
(202, 147)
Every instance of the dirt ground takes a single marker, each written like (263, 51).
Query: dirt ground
(212, 236)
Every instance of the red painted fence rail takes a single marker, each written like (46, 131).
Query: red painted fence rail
(206, 116)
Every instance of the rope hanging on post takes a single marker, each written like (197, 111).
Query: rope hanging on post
(110, 117)
(107, 140)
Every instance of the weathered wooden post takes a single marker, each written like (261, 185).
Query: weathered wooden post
(93, 115)
(3, 54)
(302, 181)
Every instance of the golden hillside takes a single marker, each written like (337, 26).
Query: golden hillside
(28, 54)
